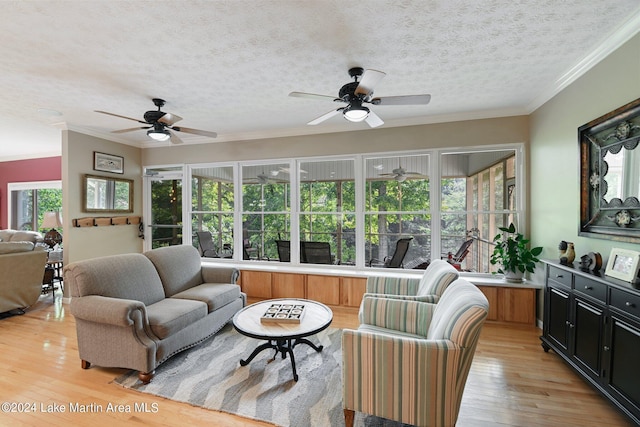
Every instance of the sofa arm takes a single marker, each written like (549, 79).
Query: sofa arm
(113, 311)
(404, 316)
(219, 274)
(380, 372)
(392, 285)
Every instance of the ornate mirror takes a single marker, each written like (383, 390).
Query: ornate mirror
(610, 175)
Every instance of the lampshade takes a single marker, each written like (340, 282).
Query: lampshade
(159, 134)
(355, 112)
(51, 220)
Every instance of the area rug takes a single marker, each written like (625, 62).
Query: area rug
(210, 376)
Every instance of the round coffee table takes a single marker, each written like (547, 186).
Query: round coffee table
(282, 337)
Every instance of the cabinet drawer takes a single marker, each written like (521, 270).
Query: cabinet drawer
(560, 276)
(626, 302)
(591, 288)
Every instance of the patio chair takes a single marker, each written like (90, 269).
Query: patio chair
(396, 260)
(316, 253)
(207, 248)
(457, 258)
(284, 250)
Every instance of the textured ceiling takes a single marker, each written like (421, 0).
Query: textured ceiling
(228, 66)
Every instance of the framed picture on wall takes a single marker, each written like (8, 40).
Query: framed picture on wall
(623, 264)
(108, 163)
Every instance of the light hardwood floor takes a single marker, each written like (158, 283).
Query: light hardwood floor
(513, 382)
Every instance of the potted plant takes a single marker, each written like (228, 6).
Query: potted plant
(512, 255)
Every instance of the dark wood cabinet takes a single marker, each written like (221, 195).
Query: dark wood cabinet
(593, 323)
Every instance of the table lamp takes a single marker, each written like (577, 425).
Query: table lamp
(52, 220)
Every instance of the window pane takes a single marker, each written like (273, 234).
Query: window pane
(166, 212)
(260, 232)
(265, 188)
(212, 189)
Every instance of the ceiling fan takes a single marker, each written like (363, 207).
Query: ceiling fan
(400, 174)
(160, 124)
(356, 93)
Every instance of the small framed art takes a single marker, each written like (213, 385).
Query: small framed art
(623, 264)
(108, 163)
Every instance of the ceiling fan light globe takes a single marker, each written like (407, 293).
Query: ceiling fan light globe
(158, 135)
(356, 113)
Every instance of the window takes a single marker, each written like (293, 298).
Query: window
(30, 200)
(212, 205)
(328, 210)
(347, 211)
(477, 196)
(266, 209)
(397, 204)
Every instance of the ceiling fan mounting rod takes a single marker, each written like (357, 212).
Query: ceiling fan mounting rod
(356, 72)
(158, 103)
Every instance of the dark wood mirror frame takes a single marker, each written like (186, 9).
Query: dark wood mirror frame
(608, 209)
(115, 201)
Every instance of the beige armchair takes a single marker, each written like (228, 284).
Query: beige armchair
(409, 361)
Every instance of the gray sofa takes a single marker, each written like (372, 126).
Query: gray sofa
(21, 271)
(137, 310)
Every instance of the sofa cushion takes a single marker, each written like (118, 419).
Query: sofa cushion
(178, 266)
(215, 295)
(127, 276)
(171, 315)
(13, 247)
(20, 236)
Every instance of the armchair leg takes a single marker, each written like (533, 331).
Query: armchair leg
(84, 364)
(348, 417)
(146, 377)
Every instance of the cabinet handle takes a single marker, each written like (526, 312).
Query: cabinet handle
(589, 288)
(629, 304)
(606, 348)
(559, 276)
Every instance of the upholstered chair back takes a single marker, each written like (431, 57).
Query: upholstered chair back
(179, 267)
(437, 277)
(128, 276)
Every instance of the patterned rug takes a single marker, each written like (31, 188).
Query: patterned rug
(210, 376)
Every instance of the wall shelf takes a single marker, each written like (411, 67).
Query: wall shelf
(105, 220)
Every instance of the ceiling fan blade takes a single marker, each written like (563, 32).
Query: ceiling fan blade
(402, 100)
(174, 138)
(169, 119)
(314, 96)
(369, 79)
(373, 120)
(131, 129)
(324, 117)
(122, 117)
(196, 131)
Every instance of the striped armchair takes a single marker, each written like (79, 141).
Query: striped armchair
(408, 361)
(428, 288)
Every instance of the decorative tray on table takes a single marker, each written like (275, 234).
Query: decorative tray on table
(283, 313)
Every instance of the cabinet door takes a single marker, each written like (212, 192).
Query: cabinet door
(324, 289)
(287, 285)
(256, 284)
(557, 319)
(624, 369)
(588, 330)
(517, 305)
(352, 290)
